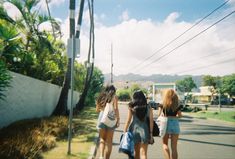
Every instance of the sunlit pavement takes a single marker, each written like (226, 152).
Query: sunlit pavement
(199, 139)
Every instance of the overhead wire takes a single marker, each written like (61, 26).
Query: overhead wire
(190, 39)
(167, 44)
(206, 56)
(203, 57)
(207, 66)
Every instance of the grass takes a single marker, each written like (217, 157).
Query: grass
(228, 116)
(84, 129)
(46, 138)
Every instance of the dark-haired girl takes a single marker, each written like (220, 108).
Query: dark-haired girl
(137, 124)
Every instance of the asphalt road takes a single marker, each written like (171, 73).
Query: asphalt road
(199, 139)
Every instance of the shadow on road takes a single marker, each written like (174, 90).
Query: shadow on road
(204, 142)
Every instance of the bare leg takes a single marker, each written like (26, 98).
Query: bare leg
(102, 142)
(174, 139)
(143, 151)
(137, 151)
(109, 141)
(165, 147)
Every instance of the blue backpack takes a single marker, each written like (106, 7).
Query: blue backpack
(127, 144)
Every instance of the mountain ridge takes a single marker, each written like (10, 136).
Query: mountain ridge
(156, 78)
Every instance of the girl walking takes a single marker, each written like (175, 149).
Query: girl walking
(106, 98)
(171, 109)
(137, 124)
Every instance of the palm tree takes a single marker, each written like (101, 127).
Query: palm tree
(34, 48)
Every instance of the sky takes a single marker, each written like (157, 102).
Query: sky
(141, 31)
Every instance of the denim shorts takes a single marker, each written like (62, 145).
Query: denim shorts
(172, 126)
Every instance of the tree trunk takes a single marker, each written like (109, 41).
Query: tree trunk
(61, 107)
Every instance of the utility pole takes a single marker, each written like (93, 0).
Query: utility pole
(111, 63)
(71, 52)
(73, 48)
(219, 100)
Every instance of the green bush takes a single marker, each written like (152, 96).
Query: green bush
(123, 95)
(5, 79)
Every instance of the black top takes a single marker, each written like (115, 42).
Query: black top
(170, 112)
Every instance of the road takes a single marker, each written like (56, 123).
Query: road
(199, 139)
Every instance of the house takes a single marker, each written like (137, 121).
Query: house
(204, 96)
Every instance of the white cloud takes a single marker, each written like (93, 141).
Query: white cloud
(42, 3)
(12, 11)
(172, 18)
(135, 40)
(232, 3)
(124, 16)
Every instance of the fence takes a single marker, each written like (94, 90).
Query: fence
(29, 98)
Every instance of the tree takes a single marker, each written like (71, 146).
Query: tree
(228, 85)
(214, 82)
(27, 50)
(185, 85)
(209, 80)
(134, 87)
(123, 95)
(96, 85)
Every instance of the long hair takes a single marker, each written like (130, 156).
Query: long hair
(105, 96)
(170, 100)
(139, 105)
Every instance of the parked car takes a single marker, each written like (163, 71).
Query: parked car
(153, 104)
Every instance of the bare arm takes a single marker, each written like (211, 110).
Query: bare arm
(97, 108)
(151, 119)
(159, 111)
(128, 121)
(116, 110)
(179, 114)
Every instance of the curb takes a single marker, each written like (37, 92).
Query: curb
(93, 150)
(212, 119)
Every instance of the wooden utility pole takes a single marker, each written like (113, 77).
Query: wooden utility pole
(111, 63)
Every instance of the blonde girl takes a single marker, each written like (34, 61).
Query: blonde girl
(171, 109)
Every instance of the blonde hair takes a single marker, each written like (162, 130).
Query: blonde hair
(170, 100)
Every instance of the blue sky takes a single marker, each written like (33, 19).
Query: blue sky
(157, 10)
(138, 28)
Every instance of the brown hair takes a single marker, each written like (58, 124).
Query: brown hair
(105, 96)
(170, 100)
(139, 105)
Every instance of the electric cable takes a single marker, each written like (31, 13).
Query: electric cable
(203, 67)
(167, 44)
(190, 39)
(203, 57)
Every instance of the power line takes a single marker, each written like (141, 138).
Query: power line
(190, 39)
(203, 67)
(206, 56)
(167, 44)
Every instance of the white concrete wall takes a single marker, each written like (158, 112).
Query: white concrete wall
(29, 98)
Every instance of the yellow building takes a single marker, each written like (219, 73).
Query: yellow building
(204, 96)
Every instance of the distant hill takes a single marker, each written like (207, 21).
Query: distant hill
(156, 78)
